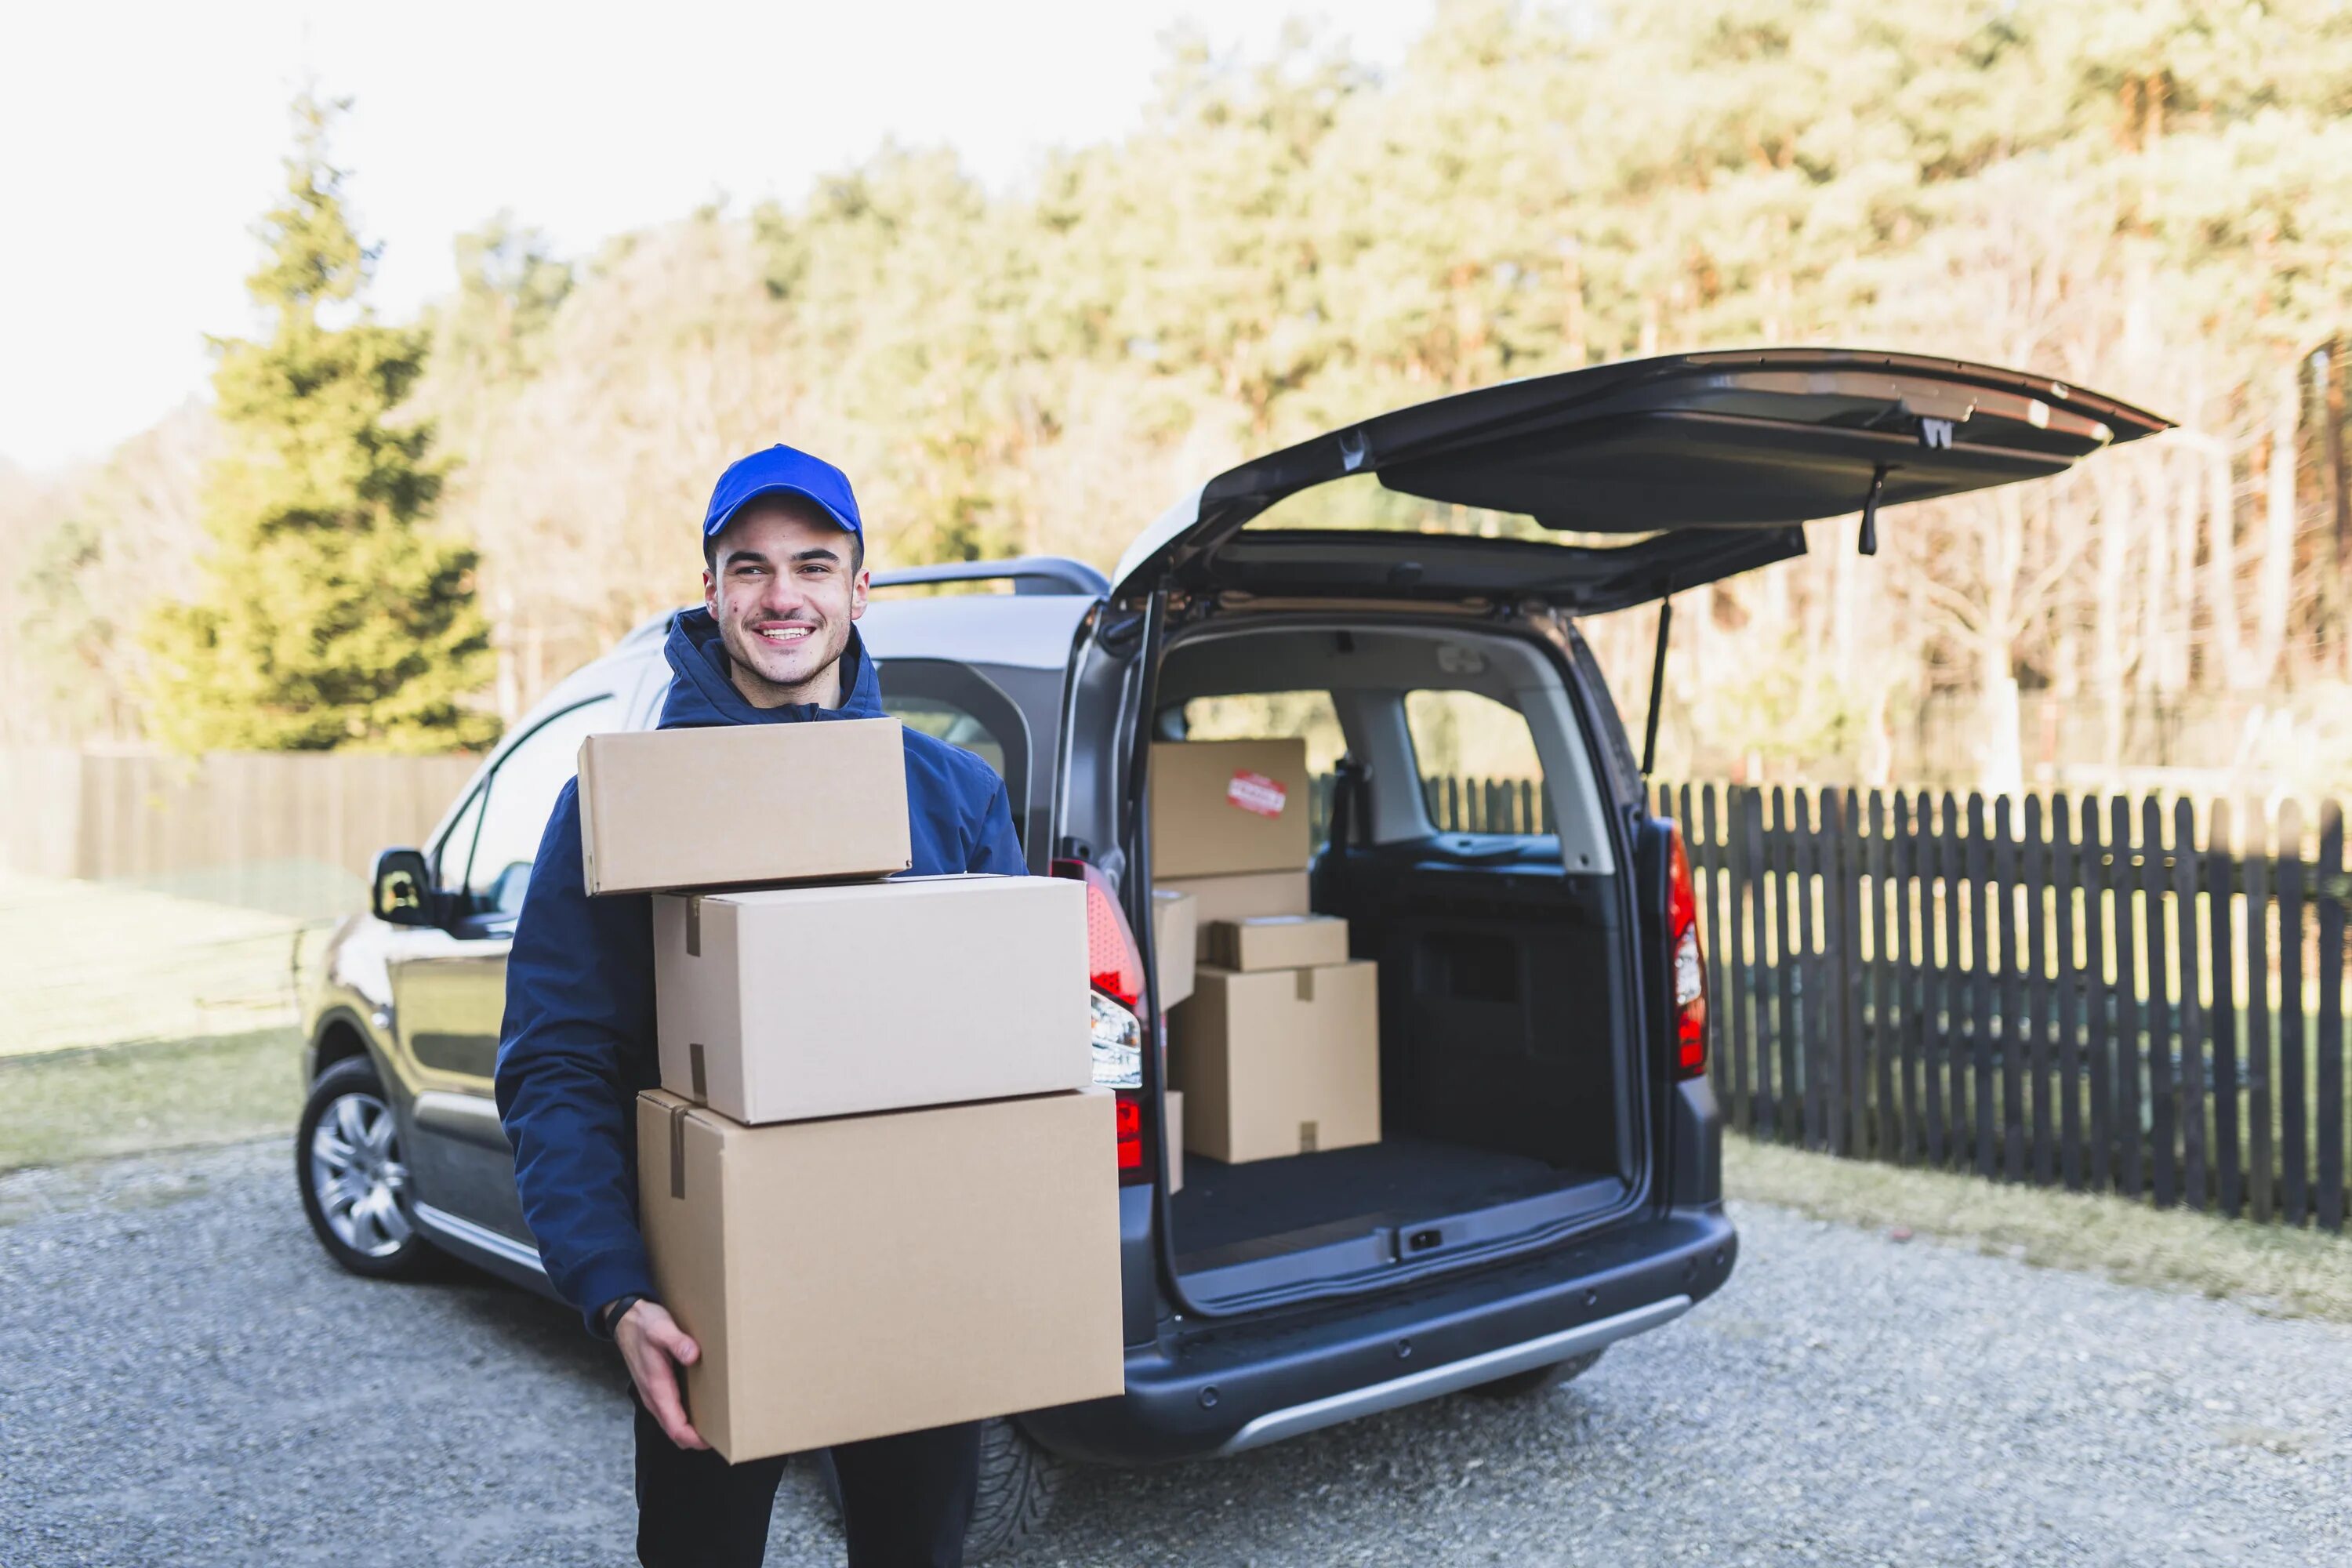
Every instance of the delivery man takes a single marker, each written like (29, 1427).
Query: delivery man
(784, 579)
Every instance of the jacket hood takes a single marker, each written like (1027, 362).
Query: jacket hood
(701, 693)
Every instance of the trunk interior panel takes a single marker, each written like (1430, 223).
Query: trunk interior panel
(1225, 1206)
(1272, 1224)
(1505, 1027)
(1499, 1012)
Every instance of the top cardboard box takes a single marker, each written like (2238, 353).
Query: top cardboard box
(744, 803)
(1221, 807)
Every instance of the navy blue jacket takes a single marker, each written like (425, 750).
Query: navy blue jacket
(577, 1042)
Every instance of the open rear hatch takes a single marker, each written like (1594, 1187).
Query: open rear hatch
(1654, 476)
(1709, 461)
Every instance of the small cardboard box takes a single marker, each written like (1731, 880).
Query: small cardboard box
(1175, 937)
(1237, 897)
(1279, 941)
(742, 803)
(1175, 1099)
(870, 1275)
(782, 1003)
(1219, 807)
(1283, 1061)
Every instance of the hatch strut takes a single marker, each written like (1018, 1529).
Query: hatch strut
(1868, 543)
(1657, 685)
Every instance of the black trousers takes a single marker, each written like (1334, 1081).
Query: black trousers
(905, 1502)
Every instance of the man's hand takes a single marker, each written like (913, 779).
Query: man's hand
(650, 1341)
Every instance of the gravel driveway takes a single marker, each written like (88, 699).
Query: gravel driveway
(186, 1379)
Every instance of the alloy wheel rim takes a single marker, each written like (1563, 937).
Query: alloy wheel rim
(358, 1177)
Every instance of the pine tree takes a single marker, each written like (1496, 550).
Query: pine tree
(331, 613)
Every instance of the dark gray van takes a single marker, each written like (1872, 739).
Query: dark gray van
(1548, 1181)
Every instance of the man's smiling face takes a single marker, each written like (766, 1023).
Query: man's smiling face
(784, 584)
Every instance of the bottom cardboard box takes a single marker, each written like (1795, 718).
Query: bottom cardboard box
(1279, 1061)
(869, 1275)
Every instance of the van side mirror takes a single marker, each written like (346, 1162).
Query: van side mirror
(402, 887)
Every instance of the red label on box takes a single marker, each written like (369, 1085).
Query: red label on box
(1256, 793)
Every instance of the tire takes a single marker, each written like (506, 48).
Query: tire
(354, 1177)
(1537, 1379)
(1018, 1483)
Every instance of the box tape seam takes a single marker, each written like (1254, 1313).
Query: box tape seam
(677, 1150)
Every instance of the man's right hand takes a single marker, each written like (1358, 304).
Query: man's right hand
(654, 1347)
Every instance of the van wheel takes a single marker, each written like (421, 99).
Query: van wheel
(1537, 1379)
(1018, 1481)
(354, 1175)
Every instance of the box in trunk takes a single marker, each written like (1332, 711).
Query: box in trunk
(742, 803)
(869, 1275)
(1282, 1061)
(1175, 937)
(1175, 1100)
(1219, 807)
(779, 1004)
(1237, 897)
(1278, 941)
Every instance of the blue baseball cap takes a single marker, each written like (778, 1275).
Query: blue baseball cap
(783, 470)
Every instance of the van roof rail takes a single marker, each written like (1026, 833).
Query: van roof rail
(1027, 573)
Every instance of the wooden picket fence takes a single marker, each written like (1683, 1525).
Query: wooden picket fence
(2105, 995)
(2081, 994)
(1457, 805)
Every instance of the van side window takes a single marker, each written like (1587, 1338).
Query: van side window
(947, 721)
(450, 855)
(1463, 743)
(954, 702)
(515, 803)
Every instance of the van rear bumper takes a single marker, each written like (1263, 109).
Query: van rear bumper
(1219, 1389)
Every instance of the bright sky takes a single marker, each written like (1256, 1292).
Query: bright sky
(139, 142)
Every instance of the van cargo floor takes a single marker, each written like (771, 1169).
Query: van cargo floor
(1223, 1208)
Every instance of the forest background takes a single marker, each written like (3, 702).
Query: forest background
(2146, 199)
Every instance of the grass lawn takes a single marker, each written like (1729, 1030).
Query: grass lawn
(124, 1099)
(2287, 1273)
(90, 963)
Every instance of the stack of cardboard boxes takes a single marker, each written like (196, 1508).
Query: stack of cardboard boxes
(875, 1147)
(1276, 1049)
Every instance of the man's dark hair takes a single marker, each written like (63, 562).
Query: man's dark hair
(798, 508)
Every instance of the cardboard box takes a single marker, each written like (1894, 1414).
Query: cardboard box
(1175, 938)
(1237, 897)
(869, 1275)
(1222, 808)
(1175, 1099)
(742, 803)
(1283, 1061)
(1279, 941)
(782, 1004)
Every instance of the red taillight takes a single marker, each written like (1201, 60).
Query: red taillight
(1688, 963)
(1130, 1136)
(1115, 970)
(1113, 965)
